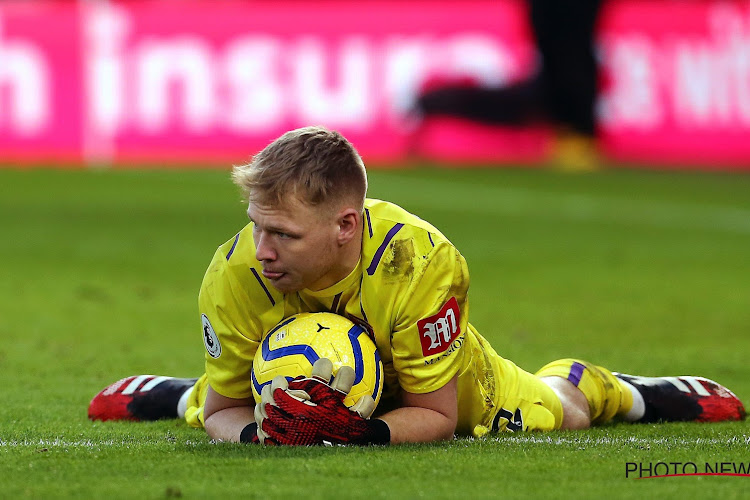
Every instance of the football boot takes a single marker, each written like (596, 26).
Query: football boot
(685, 399)
(142, 397)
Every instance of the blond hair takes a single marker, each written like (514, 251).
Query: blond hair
(316, 165)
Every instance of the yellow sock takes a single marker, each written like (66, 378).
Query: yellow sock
(195, 402)
(606, 394)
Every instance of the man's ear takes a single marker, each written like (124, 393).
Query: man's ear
(348, 221)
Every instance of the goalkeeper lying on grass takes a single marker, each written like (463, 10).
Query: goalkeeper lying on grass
(314, 243)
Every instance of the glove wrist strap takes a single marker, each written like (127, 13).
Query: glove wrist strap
(379, 433)
(249, 433)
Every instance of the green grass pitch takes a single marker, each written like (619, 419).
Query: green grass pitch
(642, 272)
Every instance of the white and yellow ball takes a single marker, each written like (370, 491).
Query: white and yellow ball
(291, 347)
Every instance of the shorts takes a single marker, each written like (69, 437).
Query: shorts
(522, 402)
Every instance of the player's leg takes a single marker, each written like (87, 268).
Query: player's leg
(589, 394)
(142, 397)
(576, 412)
(194, 403)
(638, 399)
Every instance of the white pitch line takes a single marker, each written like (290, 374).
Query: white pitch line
(583, 440)
(545, 439)
(61, 443)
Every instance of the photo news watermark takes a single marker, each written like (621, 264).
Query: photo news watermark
(649, 470)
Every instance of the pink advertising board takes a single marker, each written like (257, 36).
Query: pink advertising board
(676, 85)
(166, 81)
(40, 83)
(196, 82)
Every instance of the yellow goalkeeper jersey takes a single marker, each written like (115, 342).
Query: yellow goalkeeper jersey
(410, 289)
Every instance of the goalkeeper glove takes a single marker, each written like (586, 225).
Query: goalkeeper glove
(311, 411)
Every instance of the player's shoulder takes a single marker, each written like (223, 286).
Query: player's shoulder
(237, 254)
(234, 266)
(398, 242)
(380, 214)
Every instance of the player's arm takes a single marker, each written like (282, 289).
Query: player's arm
(426, 345)
(225, 418)
(424, 417)
(311, 411)
(231, 339)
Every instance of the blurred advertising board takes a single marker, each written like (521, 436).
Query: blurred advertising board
(676, 82)
(212, 82)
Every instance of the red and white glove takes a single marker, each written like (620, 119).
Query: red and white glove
(311, 411)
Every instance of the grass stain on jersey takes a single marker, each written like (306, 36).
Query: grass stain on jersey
(400, 260)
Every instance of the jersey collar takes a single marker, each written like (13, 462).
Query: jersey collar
(339, 287)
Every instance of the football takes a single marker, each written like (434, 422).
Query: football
(291, 347)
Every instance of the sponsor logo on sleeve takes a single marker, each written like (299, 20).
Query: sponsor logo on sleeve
(210, 339)
(437, 332)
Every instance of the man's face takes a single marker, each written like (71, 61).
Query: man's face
(297, 245)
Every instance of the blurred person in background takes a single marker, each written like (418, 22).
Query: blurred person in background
(562, 93)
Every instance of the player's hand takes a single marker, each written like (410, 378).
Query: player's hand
(311, 411)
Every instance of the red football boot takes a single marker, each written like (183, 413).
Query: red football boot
(142, 397)
(685, 399)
